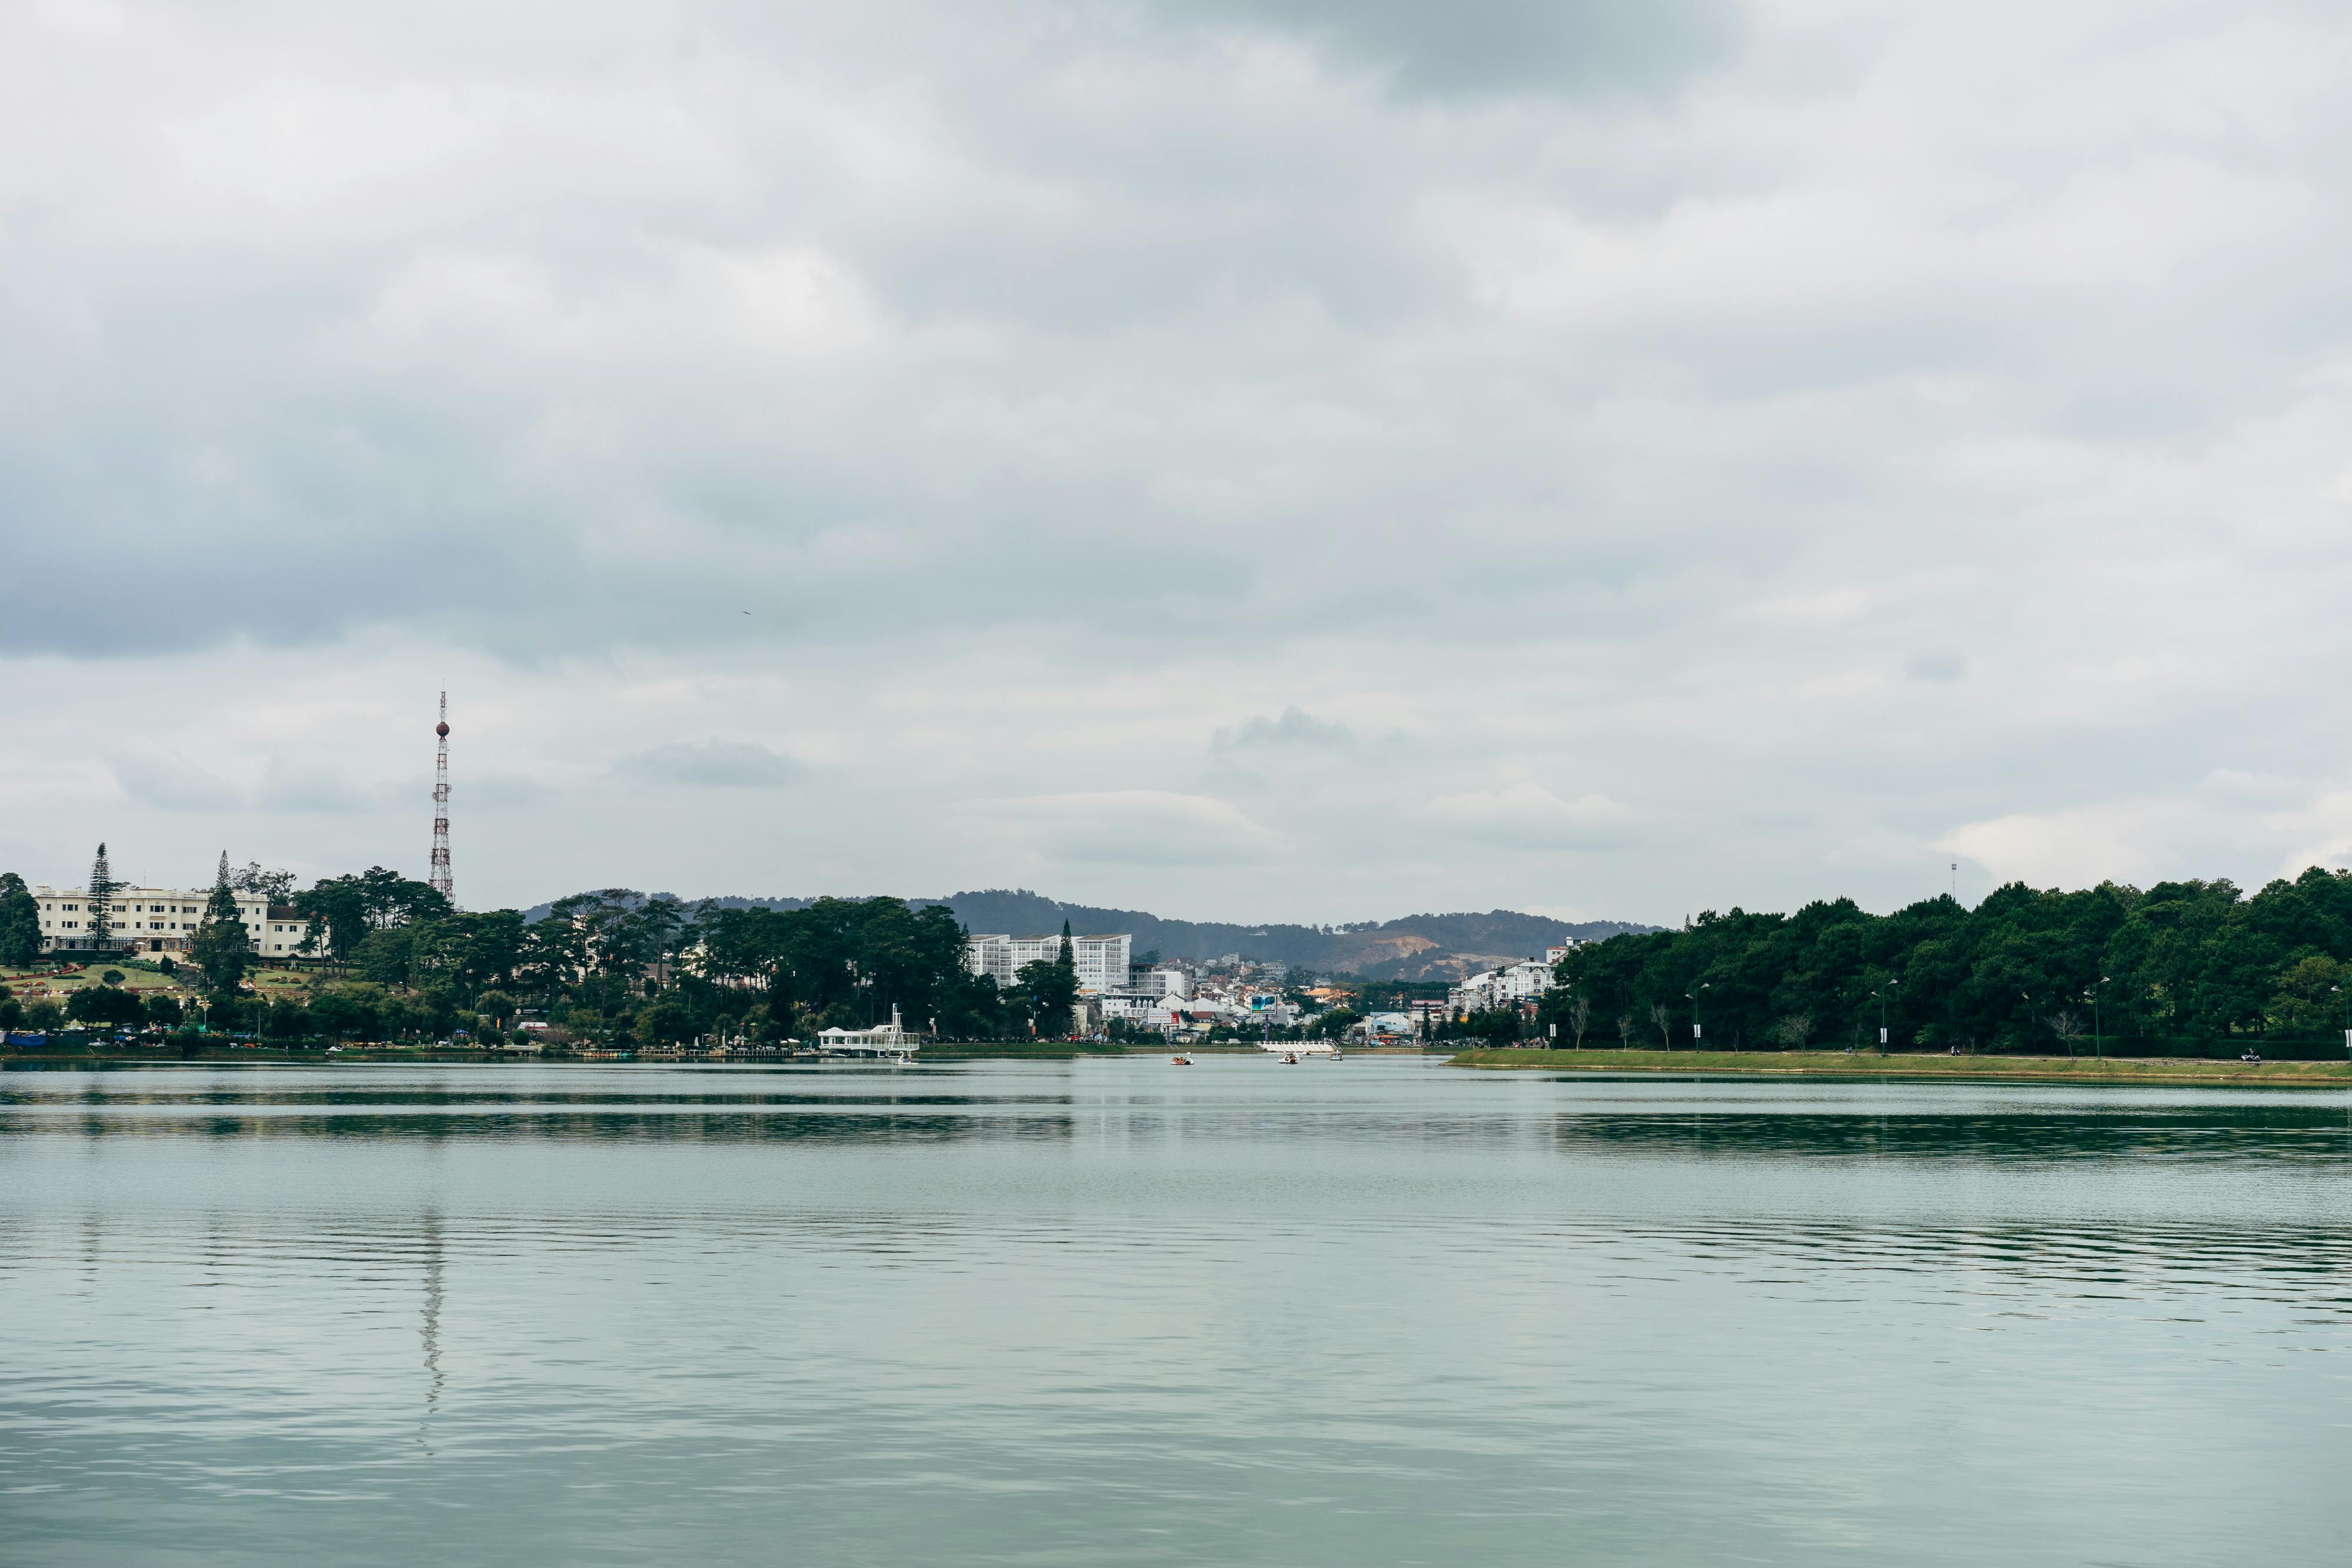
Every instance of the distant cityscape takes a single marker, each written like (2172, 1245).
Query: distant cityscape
(1183, 1000)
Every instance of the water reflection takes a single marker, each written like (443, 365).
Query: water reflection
(1110, 1312)
(429, 1327)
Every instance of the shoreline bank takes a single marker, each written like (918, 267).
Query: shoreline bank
(425, 1057)
(2186, 1071)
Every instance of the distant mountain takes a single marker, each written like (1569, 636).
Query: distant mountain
(1416, 948)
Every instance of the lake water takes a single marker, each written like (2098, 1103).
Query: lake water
(1113, 1311)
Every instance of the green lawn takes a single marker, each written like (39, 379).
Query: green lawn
(25, 984)
(1837, 1063)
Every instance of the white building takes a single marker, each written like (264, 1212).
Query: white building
(1102, 962)
(1158, 980)
(1554, 954)
(1503, 988)
(891, 1038)
(161, 920)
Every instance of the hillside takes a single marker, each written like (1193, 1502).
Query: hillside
(1415, 947)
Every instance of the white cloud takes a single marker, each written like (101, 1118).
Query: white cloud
(2079, 848)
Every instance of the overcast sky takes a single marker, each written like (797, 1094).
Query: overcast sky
(1261, 459)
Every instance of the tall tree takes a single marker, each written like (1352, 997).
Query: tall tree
(101, 900)
(222, 947)
(1052, 989)
(337, 906)
(20, 921)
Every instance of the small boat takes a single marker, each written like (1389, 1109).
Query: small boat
(1336, 1055)
(1290, 1059)
(1180, 1060)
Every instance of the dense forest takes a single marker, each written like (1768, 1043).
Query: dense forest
(2024, 970)
(608, 966)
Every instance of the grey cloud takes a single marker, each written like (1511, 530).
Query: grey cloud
(295, 787)
(1524, 816)
(1294, 727)
(1509, 45)
(715, 764)
(157, 777)
(502, 792)
(1937, 664)
(1041, 385)
(1131, 828)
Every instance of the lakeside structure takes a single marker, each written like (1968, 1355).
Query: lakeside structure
(892, 1039)
(161, 920)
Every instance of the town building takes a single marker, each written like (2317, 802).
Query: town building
(1503, 988)
(161, 920)
(1102, 962)
(1158, 980)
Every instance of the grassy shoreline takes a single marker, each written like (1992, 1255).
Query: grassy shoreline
(1838, 1065)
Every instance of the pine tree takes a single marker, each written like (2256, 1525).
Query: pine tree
(20, 921)
(220, 878)
(221, 946)
(101, 901)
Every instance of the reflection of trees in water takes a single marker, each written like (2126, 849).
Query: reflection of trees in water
(2038, 1266)
(863, 1125)
(100, 1101)
(2302, 1132)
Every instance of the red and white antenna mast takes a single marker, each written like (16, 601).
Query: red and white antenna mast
(439, 880)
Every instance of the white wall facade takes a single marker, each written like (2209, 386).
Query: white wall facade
(1503, 988)
(1101, 962)
(161, 920)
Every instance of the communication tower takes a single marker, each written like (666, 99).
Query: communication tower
(439, 879)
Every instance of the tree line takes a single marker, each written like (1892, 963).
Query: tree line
(394, 959)
(2024, 970)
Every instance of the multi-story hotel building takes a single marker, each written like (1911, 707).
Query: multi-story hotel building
(162, 919)
(1101, 961)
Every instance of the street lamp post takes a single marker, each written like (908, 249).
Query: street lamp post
(2348, 1020)
(1695, 1023)
(2098, 1043)
(1881, 995)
